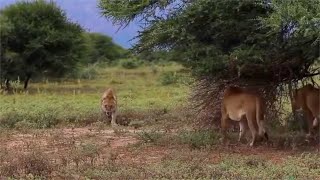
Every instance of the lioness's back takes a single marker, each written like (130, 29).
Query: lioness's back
(308, 95)
(311, 94)
(239, 97)
(232, 90)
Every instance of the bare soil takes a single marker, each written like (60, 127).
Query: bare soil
(62, 141)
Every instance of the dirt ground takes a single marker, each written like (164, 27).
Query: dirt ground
(109, 140)
(123, 146)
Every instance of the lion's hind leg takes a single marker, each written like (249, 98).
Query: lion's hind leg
(250, 118)
(243, 129)
(224, 126)
(262, 131)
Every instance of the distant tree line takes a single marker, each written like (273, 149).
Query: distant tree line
(101, 48)
(37, 39)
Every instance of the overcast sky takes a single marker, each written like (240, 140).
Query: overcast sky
(86, 13)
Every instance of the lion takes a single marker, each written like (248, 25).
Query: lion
(245, 107)
(307, 99)
(109, 105)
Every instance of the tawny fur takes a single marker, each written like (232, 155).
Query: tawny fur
(245, 107)
(109, 104)
(307, 99)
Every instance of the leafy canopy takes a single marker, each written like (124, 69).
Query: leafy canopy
(269, 40)
(36, 39)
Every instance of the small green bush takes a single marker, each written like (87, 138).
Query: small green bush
(153, 69)
(9, 119)
(130, 63)
(89, 72)
(168, 78)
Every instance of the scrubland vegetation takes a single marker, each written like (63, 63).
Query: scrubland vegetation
(53, 75)
(55, 130)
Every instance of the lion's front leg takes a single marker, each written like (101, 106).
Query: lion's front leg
(113, 119)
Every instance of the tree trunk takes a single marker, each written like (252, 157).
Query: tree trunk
(26, 82)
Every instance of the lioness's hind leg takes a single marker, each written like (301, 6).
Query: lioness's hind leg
(224, 126)
(310, 121)
(250, 118)
(243, 128)
(262, 130)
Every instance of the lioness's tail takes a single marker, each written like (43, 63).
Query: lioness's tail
(260, 119)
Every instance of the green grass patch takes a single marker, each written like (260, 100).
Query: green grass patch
(51, 102)
(199, 139)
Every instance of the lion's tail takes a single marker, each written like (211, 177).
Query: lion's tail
(260, 119)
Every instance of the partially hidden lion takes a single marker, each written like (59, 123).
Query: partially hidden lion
(245, 107)
(307, 99)
(109, 105)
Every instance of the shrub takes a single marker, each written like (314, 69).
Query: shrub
(130, 63)
(153, 69)
(89, 72)
(9, 119)
(168, 78)
(16, 84)
(85, 72)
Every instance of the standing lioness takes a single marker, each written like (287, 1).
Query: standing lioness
(307, 99)
(237, 104)
(109, 105)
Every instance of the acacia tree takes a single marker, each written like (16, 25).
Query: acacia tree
(253, 42)
(259, 33)
(37, 39)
